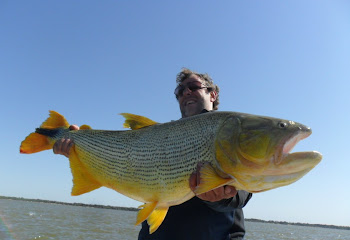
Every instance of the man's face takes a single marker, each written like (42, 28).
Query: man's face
(193, 102)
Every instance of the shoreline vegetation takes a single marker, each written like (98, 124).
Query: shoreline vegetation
(135, 209)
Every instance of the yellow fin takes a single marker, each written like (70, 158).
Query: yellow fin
(83, 181)
(35, 142)
(84, 127)
(209, 180)
(55, 120)
(156, 218)
(136, 122)
(146, 210)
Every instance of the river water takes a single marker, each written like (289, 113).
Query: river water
(24, 220)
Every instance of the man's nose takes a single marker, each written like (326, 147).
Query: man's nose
(187, 91)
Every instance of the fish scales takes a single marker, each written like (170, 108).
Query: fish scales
(153, 162)
(156, 158)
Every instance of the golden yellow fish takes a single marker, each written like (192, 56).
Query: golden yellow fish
(152, 162)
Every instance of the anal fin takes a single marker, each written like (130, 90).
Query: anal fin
(83, 181)
(210, 179)
(146, 210)
(156, 218)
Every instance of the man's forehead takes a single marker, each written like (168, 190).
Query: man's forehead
(192, 78)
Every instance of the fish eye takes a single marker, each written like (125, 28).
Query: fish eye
(282, 124)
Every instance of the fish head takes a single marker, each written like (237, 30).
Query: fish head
(256, 151)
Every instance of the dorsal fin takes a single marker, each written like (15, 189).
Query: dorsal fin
(136, 122)
(55, 120)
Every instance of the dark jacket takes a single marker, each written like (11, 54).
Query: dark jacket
(198, 219)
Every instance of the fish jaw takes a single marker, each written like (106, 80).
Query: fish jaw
(289, 169)
(296, 162)
(284, 148)
(293, 167)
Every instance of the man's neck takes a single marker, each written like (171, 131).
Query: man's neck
(203, 111)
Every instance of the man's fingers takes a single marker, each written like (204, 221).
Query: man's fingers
(66, 147)
(57, 146)
(193, 181)
(198, 177)
(63, 146)
(230, 191)
(214, 195)
(198, 172)
(73, 127)
(208, 196)
(219, 192)
(195, 178)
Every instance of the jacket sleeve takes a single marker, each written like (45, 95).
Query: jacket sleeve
(227, 205)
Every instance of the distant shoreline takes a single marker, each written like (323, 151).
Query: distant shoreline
(135, 209)
(71, 204)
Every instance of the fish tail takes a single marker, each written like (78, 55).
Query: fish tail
(45, 136)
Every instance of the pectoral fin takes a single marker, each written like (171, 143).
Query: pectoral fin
(83, 181)
(156, 218)
(210, 179)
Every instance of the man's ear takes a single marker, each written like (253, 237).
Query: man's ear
(213, 96)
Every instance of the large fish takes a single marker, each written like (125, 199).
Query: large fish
(152, 163)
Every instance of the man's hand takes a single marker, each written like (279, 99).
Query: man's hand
(215, 195)
(64, 145)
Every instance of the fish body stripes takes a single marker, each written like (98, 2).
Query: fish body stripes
(156, 160)
(152, 163)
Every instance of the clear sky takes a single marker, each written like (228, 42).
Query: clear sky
(90, 60)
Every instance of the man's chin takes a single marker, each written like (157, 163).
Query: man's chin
(190, 111)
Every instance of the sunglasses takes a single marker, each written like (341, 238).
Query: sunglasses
(192, 86)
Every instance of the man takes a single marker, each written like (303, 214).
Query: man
(216, 214)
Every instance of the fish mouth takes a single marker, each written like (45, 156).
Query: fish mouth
(288, 144)
(295, 164)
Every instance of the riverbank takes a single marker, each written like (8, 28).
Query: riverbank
(72, 204)
(135, 209)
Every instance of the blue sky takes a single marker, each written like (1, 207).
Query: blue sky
(91, 60)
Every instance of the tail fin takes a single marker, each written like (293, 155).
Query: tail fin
(42, 139)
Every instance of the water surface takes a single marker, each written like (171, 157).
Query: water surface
(24, 220)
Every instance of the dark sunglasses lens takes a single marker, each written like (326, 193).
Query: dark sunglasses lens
(179, 91)
(193, 86)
